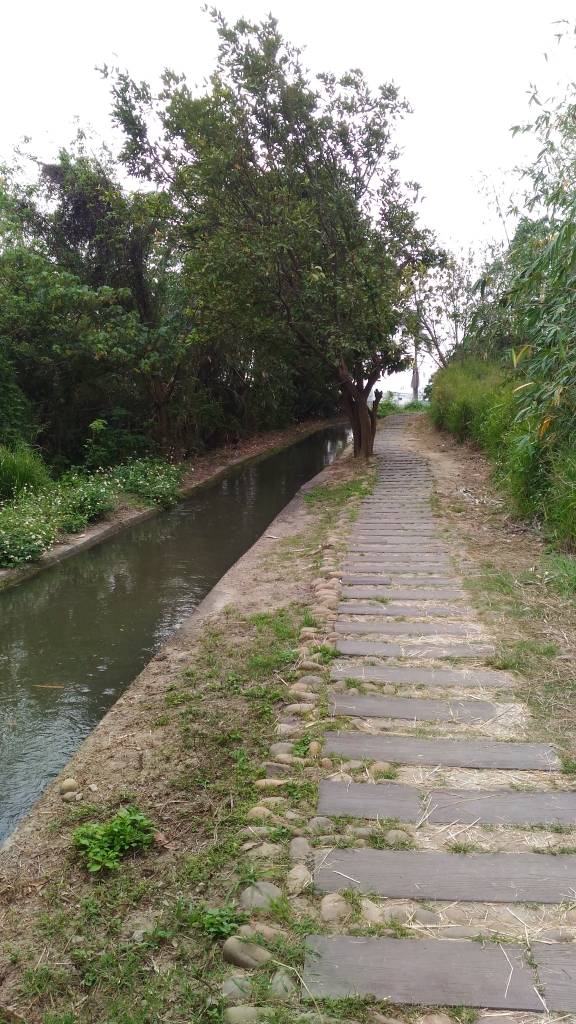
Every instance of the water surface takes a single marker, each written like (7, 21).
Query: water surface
(91, 624)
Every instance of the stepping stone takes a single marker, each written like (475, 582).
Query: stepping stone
(449, 753)
(446, 806)
(498, 807)
(435, 875)
(384, 590)
(422, 971)
(373, 706)
(407, 628)
(428, 676)
(429, 611)
(557, 974)
(386, 650)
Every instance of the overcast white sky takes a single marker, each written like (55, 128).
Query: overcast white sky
(465, 67)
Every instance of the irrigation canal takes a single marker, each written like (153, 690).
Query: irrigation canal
(75, 636)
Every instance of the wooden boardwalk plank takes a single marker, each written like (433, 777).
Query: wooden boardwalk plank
(381, 648)
(430, 611)
(492, 877)
(408, 628)
(419, 971)
(501, 807)
(450, 753)
(423, 580)
(369, 706)
(496, 807)
(557, 974)
(428, 676)
(383, 801)
(403, 594)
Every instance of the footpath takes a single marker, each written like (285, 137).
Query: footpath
(360, 822)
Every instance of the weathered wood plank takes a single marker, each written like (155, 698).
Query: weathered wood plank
(422, 610)
(408, 628)
(413, 580)
(361, 800)
(373, 706)
(445, 806)
(419, 971)
(434, 875)
(428, 676)
(501, 807)
(451, 753)
(402, 594)
(557, 974)
(370, 648)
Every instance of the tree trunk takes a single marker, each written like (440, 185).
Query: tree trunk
(415, 382)
(374, 412)
(355, 404)
(161, 408)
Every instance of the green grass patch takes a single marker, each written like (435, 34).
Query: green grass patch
(102, 846)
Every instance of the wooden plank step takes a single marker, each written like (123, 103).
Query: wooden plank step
(498, 807)
(403, 594)
(373, 706)
(421, 610)
(407, 628)
(435, 875)
(428, 676)
(446, 806)
(422, 579)
(425, 971)
(376, 648)
(556, 970)
(390, 568)
(386, 800)
(486, 754)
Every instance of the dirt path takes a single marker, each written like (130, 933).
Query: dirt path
(337, 769)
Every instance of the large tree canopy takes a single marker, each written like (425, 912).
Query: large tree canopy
(297, 236)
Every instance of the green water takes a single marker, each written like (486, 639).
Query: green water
(93, 622)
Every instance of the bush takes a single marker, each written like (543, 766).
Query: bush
(476, 401)
(21, 468)
(102, 846)
(31, 523)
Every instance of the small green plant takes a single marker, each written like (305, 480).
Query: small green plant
(217, 922)
(102, 846)
(21, 468)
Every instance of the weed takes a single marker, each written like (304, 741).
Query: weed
(102, 846)
(217, 922)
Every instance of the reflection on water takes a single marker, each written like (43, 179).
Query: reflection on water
(74, 637)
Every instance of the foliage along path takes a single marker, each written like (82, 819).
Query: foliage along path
(431, 779)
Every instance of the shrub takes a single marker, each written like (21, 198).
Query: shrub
(102, 846)
(31, 523)
(475, 400)
(21, 468)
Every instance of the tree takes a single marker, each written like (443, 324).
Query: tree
(298, 240)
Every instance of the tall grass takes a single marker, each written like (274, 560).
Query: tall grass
(476, 400)
(21, 468)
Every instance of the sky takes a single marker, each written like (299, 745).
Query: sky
(465, 68)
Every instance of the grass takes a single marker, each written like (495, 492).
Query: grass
(21, 468)
(102, 846)
(32, 521)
